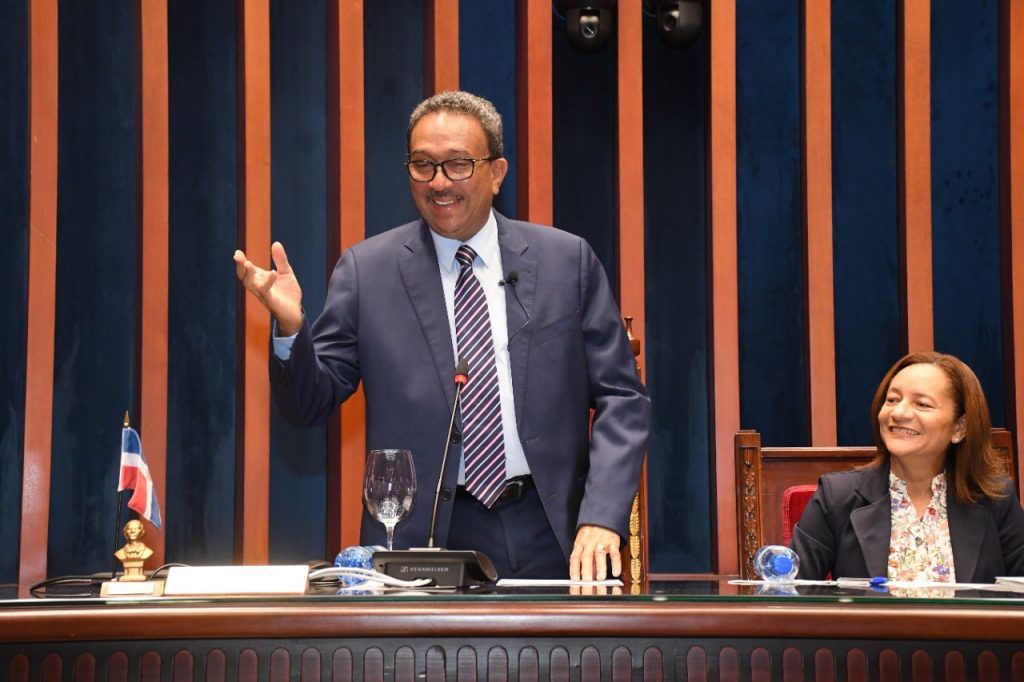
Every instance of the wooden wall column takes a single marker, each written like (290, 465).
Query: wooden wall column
(153, 236)
(346, 220)
(440, 46)
(1012, 213)
(916, 175)
(534, 107)
(630, 208)
(725, 344)
(817, 153)
(252, 497)
(42, 285)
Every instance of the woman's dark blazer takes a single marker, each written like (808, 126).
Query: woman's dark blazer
(846, 526)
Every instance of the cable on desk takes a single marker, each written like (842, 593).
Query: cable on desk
(93, 582)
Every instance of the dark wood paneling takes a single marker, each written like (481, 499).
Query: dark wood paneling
(773, 338)
(487, 67)
(864, 208)
(965, 159)
(203, 308)
(14, 206)
(96, 274)
(677, 279)
(299, 202)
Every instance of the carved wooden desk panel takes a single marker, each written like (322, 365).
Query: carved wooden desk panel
(569, 639)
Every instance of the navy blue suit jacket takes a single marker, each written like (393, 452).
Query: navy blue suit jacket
(846, 526)
(385, 323)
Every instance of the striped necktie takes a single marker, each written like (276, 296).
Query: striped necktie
(483, 442)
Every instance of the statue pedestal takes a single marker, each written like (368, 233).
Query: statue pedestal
(132, 571)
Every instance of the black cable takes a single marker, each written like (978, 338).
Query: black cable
(156, 574)
(39, 590)
(512, 280)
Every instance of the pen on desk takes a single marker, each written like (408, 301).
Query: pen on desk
(879, 583)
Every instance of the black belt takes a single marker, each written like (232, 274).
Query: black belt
(514, 489)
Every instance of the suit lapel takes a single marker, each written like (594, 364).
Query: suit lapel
(872, 524)
(515, 256)
(418, 267)
(966, 535)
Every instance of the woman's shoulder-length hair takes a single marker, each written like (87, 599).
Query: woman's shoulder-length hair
(972, 465)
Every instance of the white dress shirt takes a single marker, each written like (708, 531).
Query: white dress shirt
(488, 270)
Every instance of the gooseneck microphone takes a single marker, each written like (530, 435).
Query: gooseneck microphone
(512, 279)
(445, 567)
(461, 377)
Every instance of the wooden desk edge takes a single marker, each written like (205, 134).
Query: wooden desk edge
(524, 619)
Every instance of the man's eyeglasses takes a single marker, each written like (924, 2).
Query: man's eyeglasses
(422, 170)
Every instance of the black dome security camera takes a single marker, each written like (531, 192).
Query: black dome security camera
(678, 21)
(588, 23)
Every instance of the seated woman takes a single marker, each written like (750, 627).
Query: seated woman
(934, 504)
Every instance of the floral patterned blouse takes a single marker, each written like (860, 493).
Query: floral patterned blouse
(919, 547)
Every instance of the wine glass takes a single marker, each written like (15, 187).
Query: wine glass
(389, 487)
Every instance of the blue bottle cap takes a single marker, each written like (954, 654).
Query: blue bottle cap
(782, 564)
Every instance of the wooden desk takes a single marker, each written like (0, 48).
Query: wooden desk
(661, 635)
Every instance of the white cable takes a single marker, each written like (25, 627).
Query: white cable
(354, 572)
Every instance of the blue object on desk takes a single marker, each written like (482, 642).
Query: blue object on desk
(776, 563)
(879, 584)
(354, 557)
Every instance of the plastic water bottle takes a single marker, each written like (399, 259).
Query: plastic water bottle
(776, 563)
(354, 557)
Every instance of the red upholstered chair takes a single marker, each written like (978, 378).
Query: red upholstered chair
(794, 499)
(775, 484)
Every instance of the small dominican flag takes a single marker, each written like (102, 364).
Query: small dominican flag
(135, 476)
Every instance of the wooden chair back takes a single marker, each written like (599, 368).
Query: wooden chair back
(764, 473)
(634, 554)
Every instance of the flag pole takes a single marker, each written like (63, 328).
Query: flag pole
(117, 516)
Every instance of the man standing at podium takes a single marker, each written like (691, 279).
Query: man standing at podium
(553, 421)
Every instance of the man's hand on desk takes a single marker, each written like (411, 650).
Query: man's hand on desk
(592, 547)
(594, 589)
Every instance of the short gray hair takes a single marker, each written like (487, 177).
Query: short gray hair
(466, 103)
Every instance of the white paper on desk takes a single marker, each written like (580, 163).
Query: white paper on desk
(545, 582)
(186, 581)
(1010, 580)
(797, 581)
(864, 583)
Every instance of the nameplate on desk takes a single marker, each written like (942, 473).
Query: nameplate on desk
(144, 588)
(187, 581)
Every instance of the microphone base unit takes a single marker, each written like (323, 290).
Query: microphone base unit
(447, 568)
